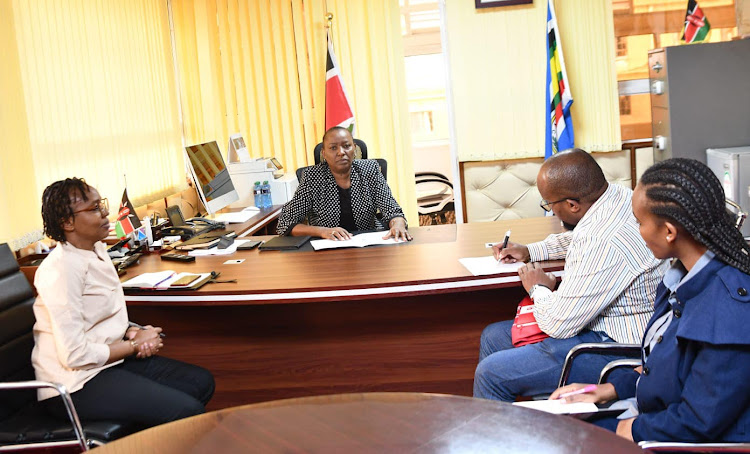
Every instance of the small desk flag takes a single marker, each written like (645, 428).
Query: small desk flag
(127, 220)
(696, 26)
(338, 107)
(559, 125)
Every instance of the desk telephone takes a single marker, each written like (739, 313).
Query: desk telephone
(188, 228)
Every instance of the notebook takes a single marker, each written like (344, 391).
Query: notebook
(284, 243)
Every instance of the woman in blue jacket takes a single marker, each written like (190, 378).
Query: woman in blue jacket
(694, 385)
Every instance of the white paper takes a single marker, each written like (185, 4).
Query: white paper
(237, 217)
(149, 280)
(231, 249)
(168, 283)
(361, 240)
(559, 406)
(481, 266)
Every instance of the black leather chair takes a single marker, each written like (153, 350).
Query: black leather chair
(23, 421)
(361, 153)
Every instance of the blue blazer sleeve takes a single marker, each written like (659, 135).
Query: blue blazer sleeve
(715, 395)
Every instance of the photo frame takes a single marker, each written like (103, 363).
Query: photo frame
(495, 3)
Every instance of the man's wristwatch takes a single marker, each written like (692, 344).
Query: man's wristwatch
(534, 288)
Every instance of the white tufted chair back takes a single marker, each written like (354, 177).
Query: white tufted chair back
(497, 190)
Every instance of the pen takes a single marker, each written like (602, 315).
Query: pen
(507, 237)
(136, 325)
(585, 389)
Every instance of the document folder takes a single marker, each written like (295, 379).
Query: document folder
(284, 243)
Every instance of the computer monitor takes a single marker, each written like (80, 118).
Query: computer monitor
(211, 175)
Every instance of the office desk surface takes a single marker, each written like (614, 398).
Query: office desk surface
(404, 317)
(377, 423)
(429, 263)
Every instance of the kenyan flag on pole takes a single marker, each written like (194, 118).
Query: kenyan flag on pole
(696, 25)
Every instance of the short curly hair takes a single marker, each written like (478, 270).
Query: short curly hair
(56, 206)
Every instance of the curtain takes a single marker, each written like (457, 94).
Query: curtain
(20, 223)
(497, 70)
(100, 100)
(258, 68)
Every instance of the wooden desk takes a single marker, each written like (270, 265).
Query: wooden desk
(378, 423)
(386, 318)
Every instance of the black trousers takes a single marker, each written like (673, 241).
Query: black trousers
(147, 392)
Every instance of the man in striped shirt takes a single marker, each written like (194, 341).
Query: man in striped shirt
(606, 294)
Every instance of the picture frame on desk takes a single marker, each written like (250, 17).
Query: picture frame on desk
(495, 3)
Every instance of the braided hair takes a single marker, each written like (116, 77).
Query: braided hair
(56, 206)
(688, 193)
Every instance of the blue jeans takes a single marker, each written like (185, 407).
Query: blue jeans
(505, 372)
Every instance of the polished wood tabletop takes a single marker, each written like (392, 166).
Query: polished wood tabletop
(375, 423)
(429, 263)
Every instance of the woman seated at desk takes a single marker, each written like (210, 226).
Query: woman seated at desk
(82, 335)
(693, 385)
(341, 195)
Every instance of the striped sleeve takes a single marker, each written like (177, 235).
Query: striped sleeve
(554, 247)
(594, 278)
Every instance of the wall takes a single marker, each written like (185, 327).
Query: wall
(498, 63)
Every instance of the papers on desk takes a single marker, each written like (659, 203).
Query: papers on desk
(237, 217)
(560, 407)
(163, 280)
(231, 249)
(361, 240)
(481, 266)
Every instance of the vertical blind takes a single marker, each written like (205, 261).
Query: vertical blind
(99, 100)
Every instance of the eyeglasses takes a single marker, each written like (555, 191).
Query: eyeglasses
(102, 206)
(547, 206)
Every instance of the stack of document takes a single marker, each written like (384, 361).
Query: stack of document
(361, 240)
(165, 280)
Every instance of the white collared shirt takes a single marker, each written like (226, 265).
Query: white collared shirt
(79, 311)
(610, 274)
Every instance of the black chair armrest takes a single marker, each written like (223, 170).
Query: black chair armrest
(64, 394)
(607, 348)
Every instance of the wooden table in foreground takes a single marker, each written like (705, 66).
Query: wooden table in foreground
(377, 423)
(404, 317)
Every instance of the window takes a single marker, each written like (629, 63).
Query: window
(642, 25)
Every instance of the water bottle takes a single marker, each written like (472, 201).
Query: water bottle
(266, 191)
(258, 195)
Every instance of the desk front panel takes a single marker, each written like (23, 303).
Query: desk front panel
(385, 340)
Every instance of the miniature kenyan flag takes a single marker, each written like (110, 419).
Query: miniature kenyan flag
(696, 25)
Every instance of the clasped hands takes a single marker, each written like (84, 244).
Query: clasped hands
(148, 340)
(532, 273)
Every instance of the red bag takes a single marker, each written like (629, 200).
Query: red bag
(525, 330)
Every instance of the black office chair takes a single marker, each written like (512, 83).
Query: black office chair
(435, 202)
(359, 153)
(23, 421)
